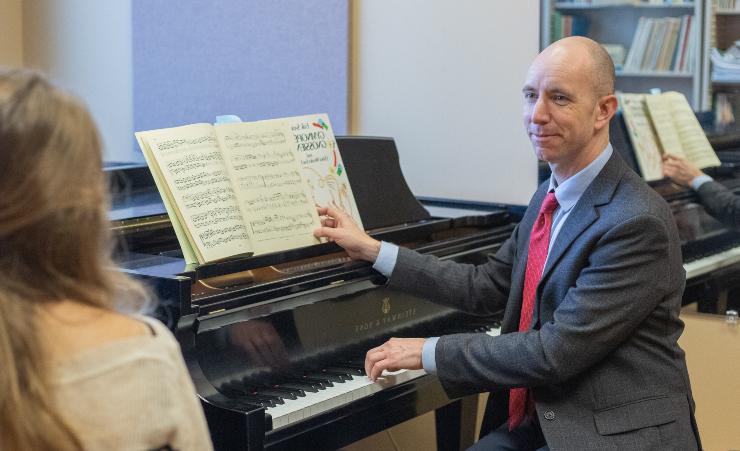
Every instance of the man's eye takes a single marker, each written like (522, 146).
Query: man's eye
(561, 100)
(529, 95)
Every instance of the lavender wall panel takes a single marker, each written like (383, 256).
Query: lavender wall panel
(195, 59)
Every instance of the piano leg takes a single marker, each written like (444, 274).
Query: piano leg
(455, 424)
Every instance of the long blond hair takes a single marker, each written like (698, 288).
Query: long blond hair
(54, 245)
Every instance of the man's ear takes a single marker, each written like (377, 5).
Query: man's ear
(607, 107)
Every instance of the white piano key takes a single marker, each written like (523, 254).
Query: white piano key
(708, 264)
(341, 394)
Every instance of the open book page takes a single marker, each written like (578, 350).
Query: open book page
(696, 146)
(188, 253)
(642, 136)
(189, 160)
(321, 163)
(271, 191)
(660, 115)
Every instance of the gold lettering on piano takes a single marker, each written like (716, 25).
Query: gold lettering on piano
(386, 307)
(385, 320)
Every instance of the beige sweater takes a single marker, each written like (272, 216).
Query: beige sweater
(132, 394)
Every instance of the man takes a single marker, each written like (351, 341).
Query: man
(591, 280)
(719, 202)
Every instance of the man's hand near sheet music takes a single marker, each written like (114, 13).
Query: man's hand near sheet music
(680, 170)
(338, 226)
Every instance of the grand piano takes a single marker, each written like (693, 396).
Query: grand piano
(711, 250)
(275, 343)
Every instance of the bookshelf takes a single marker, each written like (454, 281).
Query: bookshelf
(674, 61)
(724, 27)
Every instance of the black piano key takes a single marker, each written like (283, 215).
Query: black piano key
(299, 392)
(347, 370)
(326, 377)
(345, 375)
(245, 401)
(267, 398)
(351, 364)
(282, 394)
(324, 381)
(302, 386)
(320, 383)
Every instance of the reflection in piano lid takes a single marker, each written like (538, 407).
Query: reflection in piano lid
(275, 343)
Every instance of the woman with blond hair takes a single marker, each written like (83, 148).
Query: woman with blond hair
(80, 369)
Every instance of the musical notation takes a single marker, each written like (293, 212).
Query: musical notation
(215, 237)
(237, 139)
(275, 201)
(184, 143)
(276, 180)
(269, 186)
(201, 179)
(216, 216)
(191, 162)
(281, 223)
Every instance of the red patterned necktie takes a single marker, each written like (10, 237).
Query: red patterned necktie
(539, 241)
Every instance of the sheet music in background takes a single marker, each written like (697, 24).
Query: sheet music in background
(662, 119)
(321, 163)
(270, 188)
(696, 146)
(196, 177)
(643, 139)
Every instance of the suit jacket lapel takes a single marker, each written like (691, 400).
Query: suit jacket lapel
(583, 215)
(511, 313)
(585, 211)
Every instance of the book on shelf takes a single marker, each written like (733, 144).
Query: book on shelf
(564, 25)
(660, 124)
(662, 44)
(246, 188)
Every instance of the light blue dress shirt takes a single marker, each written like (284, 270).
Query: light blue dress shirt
(567, 193)
(700, 180)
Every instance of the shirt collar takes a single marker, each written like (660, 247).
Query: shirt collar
(568, 192)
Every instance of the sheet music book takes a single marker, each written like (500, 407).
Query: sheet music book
(247, 187)
(661, 124)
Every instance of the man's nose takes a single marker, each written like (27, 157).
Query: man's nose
(540, 112)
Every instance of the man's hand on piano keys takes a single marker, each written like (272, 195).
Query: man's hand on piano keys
(393, 355)
(339, 227)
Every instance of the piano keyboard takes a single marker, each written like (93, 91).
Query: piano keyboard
(712, 262)
(357, 386)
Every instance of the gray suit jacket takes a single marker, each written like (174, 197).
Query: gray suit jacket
(721, 203)
(602, 356)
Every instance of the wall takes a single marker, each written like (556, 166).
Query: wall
(85, 46)
(142, 64)
(444, 79)
(11, 44)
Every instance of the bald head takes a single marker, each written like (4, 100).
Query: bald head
(591, 56)
(568, 104)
